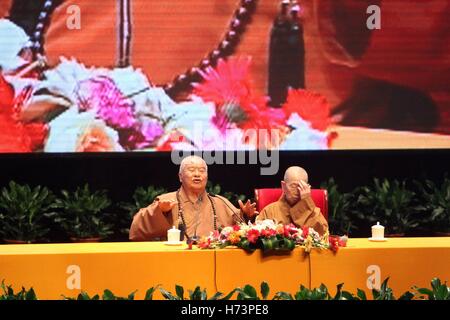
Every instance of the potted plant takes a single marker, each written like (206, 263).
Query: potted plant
(82, 214)
(339, 209)
(389, 203)
(142, 197)
(434, 206)
(25, 213)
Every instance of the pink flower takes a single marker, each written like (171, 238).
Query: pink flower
(287, 230)
(102, 95)
(236, 227)
(253, 235)
(267, 233)
(142, 135)
(228, 81)
(216, 234)
(229, 87)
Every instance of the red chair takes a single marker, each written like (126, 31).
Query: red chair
(263, 197)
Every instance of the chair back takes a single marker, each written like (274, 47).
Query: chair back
(266, 196)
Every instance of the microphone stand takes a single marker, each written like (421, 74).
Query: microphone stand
(232, 210)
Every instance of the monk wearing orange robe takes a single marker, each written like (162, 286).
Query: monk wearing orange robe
(295, 205)
(191, 208)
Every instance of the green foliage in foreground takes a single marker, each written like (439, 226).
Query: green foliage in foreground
(438, 291)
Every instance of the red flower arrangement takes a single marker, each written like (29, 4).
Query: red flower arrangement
(310, 106)
(268, 236)
(229, 87)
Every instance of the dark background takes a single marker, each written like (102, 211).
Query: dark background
(121, 173)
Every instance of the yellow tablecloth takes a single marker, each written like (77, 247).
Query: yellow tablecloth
(53, 269)
(282, 271)
(120, 267)
(406, 261)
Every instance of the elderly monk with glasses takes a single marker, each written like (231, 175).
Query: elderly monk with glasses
(295, 205)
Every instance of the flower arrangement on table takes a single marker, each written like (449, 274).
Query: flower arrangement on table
(74, 108)
(269, 236)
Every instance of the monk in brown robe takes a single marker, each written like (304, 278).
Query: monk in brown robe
(295, 205)
(191, 208)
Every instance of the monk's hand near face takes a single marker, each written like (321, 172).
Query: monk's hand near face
(249, 209)
(166, 205)
(304, 189)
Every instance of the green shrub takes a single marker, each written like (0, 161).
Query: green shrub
(389, 203)
(434, 205)
(82, 213)
(25, 213)
(142, 197)
(8, 293)
(339, 209)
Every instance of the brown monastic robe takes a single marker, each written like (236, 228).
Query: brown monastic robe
(151, 223)
(303, 213)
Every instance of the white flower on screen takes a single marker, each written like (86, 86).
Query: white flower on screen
(147, 99)
(81, 132)
(12, 40)
(64, 78)
(194, 120)
(303, 137)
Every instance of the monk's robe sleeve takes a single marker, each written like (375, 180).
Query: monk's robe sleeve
(150, 222)
(305, 213)
(263, 215)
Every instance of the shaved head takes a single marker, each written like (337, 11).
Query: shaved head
(192, 160)
(293, 179)
(193, 174)
(295, 174)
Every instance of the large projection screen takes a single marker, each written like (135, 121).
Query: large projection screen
(152, 75)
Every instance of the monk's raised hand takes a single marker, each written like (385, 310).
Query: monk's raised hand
(166, 205)
(304, 189)
(249, 209)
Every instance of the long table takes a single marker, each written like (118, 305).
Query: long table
(364, 264)
(54, 270)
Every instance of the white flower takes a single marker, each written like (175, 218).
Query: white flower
(187, 115)
(314, 234)
(21, 83)
(147, 99)
(226, 231)
(66, 130)
(267, 223)
(193, 120)
(64, 78)
(303, 137)
(12, 39)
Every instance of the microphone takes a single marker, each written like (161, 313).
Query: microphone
(183, 233)
(232, 209)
